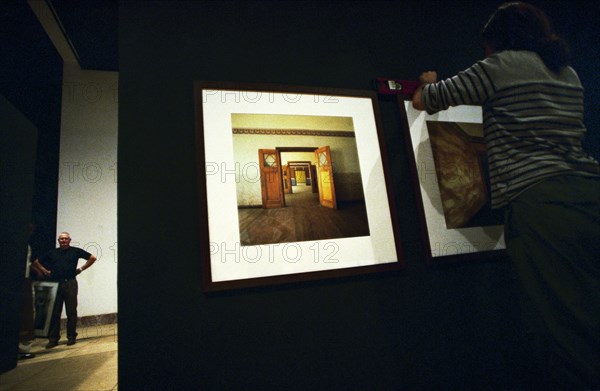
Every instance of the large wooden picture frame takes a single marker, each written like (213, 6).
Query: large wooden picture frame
(449, 169)
(245, 133)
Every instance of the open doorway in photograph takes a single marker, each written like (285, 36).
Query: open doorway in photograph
(307, 183)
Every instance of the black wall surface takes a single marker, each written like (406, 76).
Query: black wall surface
(17, 173)
(30, 99)
(451, 326)
(31, 80)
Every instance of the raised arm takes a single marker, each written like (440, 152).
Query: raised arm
(88, 264)
(425, 78)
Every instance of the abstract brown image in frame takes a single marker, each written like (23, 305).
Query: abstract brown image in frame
(459, 153)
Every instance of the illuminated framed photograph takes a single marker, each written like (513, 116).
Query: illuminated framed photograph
(447, 154)
(44, 293)
(293, 185)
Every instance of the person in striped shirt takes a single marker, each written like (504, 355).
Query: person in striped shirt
(549, 188)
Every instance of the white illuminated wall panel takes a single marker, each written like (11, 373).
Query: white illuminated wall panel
(87, 190)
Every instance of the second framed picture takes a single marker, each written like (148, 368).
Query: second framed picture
(448, 157)
(293, 185)
(45, 298)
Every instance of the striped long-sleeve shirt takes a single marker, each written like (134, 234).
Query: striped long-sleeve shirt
(532, 119)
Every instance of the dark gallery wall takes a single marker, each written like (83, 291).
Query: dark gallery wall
(451, 326)
(17, 174)
(31, 80)
(30, 99)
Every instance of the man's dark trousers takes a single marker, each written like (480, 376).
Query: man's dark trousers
(67, 294)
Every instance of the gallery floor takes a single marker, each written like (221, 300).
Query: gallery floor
(91, 364)
(302, 219)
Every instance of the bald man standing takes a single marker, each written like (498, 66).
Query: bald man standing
(60, 265)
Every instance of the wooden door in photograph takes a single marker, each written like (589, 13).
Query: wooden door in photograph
(313, 178)
(325, 176)
(270, 178)
(287, 182)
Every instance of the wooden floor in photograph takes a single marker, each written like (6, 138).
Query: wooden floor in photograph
(302, 219)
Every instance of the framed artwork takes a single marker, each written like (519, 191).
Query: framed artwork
(44, 298)
(447, 154)
(293, 185)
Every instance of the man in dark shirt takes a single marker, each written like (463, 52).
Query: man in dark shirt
(60, 265)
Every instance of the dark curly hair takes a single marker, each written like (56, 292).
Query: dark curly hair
(521, 26)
